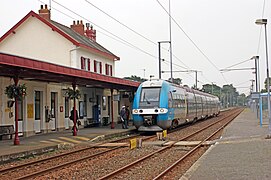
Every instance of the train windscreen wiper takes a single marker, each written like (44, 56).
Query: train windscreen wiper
(148, 102)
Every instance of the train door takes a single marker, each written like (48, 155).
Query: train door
(190, 106)
(52, 123)
(195, 105)
(37, 111)
(205, 106)
(201, 106)
(170, 105)
(96, 109)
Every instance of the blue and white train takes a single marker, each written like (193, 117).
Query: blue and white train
(160, 105)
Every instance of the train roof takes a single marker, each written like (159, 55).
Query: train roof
(159, 82)
(153, 83)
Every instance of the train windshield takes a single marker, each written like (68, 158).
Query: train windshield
(150, 97)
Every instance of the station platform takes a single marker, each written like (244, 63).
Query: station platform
(243, 152)
(41, 143)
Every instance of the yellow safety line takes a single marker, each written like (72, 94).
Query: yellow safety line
(56, 140)
(46, 142)
(70, 139)
(82, 138)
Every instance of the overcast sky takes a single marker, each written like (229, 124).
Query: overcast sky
(210, 35)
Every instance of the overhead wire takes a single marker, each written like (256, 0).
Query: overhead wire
(130, 44)
(121, 40)
(242, 83)
(238, 63)
(117, 38)
(99, 32)
(208, 59)
(126, 26)
(188, 36)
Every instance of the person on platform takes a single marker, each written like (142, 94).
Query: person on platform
(127, 114)
(123, 117)
(72, 117)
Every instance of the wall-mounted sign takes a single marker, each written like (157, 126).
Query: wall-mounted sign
(116, 97)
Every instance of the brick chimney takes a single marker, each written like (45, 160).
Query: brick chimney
(45, 13)
(90, 32)
(79, 27)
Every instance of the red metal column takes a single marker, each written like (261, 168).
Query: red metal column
(16, 139)
(112, 110)
(74, 112)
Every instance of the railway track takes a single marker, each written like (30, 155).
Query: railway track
(141, 163)
(30, 170)
(40, 167)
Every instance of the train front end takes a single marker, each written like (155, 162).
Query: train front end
(150, 109)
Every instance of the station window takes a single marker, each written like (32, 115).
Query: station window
(53, 104)
(85, 63)
(67, 107)
(20, 110)
(85, 105)
(108, 70)
(98, 67)
(37, 105)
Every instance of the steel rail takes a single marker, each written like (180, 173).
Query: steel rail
(2, 171)
(233, 116)
(53, 168)
(44, 171)
(153, 153)
(24, 165)
(5, 170)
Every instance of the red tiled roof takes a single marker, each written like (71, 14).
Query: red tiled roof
(67, 33)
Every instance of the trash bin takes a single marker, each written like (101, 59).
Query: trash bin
(105, 120)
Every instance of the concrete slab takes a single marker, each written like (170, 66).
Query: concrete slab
(241, 153)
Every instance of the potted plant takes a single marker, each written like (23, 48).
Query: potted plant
(12, 91)
(70, 93)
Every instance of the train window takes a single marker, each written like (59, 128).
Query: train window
(150, 95)
(170, 103)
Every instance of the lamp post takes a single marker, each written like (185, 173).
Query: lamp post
(257, 69)
(264, 22)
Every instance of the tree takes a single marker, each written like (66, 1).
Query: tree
(229, 95)
(136, 78)
(177, 81)
(241, 100)
(265, 85)
(212, 89)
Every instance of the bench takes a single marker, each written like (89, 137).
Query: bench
(6, 131)
(90, 122)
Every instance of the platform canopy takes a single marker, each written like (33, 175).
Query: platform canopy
(35, 70)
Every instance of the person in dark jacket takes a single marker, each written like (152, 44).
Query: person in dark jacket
(127, 114)
(123, 116)
(72, 117)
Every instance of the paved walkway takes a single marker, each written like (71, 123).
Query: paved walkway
(51, 141)
(243, 152)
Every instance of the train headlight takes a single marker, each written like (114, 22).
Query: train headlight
(141, 111)
(135, 111)
(162, 110)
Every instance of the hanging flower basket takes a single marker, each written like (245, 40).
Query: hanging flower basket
(18, 91)
(70, 93)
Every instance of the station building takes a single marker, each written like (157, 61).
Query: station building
(49, 58)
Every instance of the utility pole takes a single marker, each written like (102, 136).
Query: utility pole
(144, 72)
(159, 57)
(171, 73)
